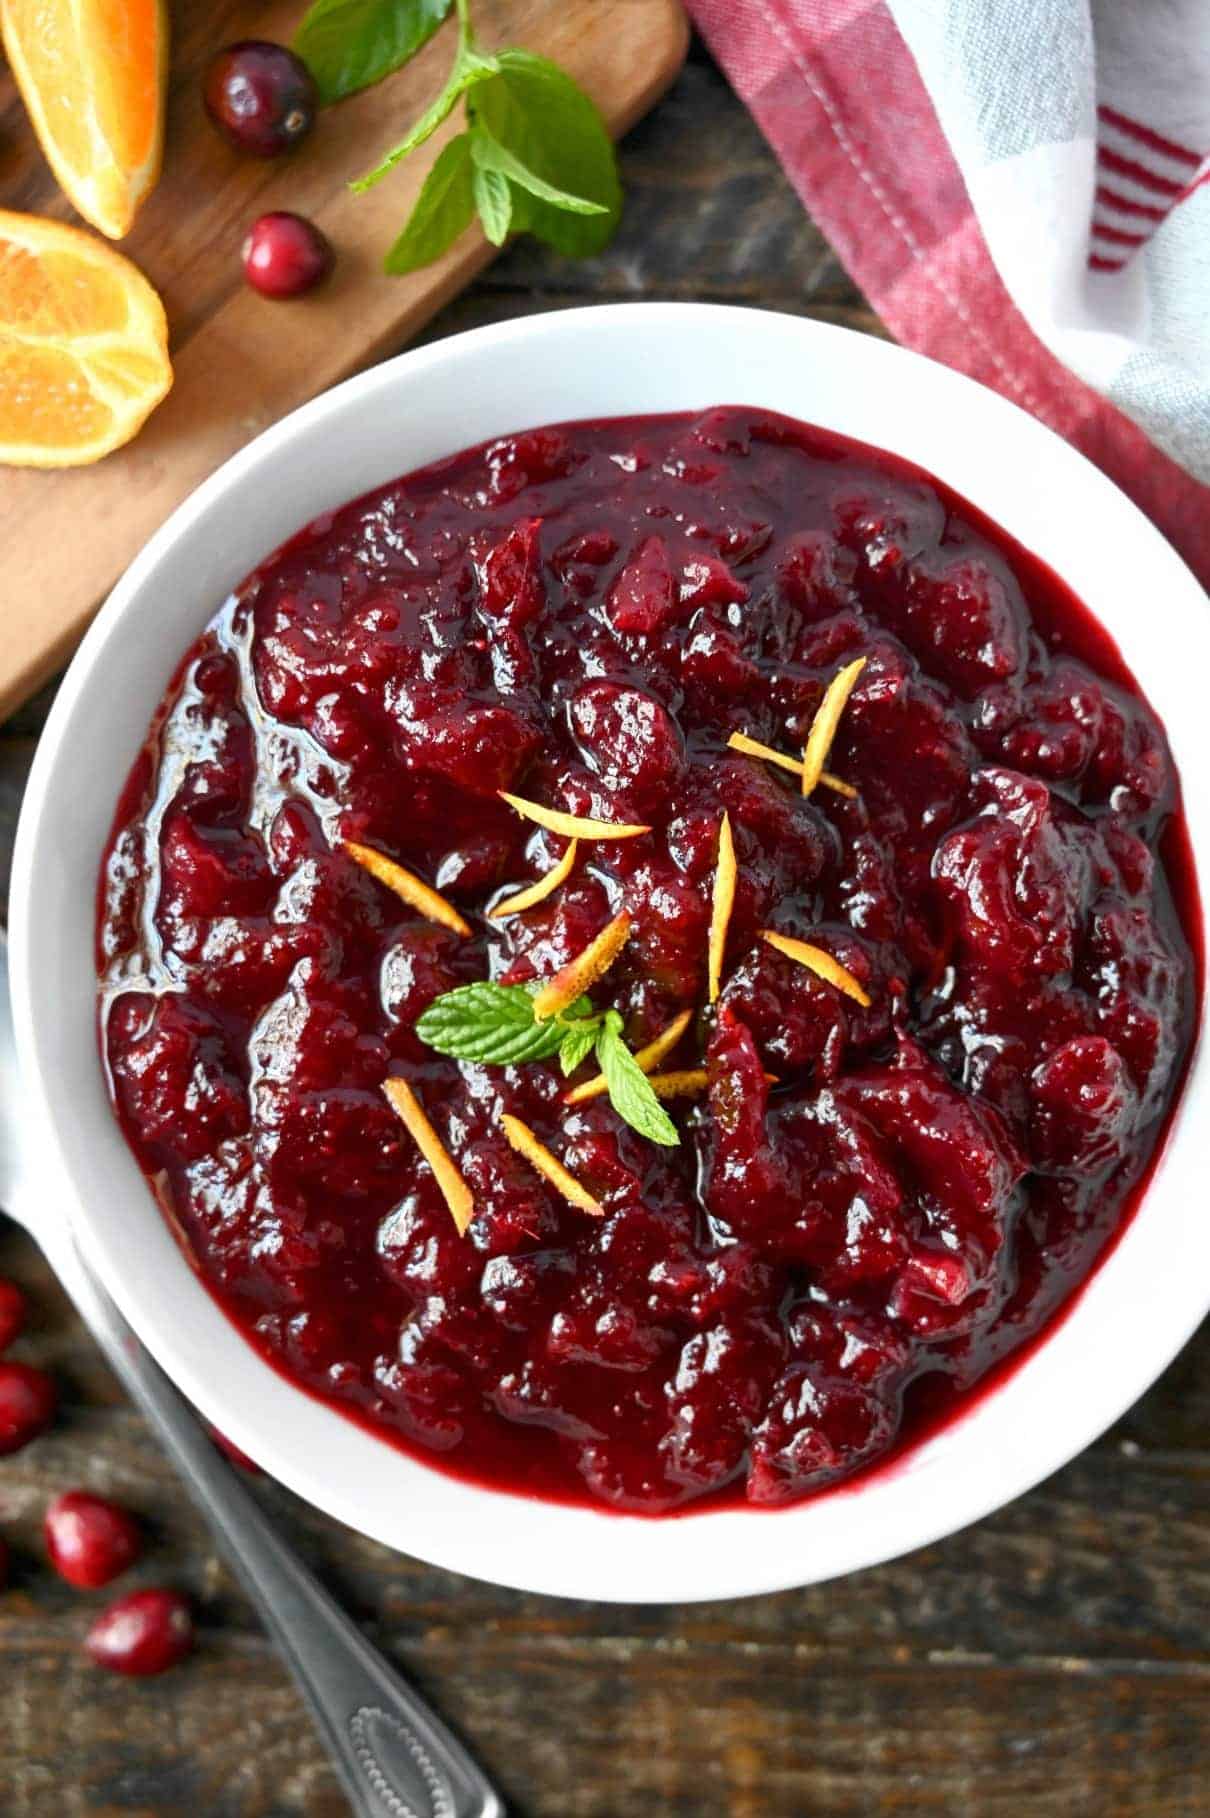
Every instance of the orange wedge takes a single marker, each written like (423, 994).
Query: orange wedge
(83, 345)
(93, 75)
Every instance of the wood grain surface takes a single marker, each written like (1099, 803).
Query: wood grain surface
(1052, 1662)
(240, 362)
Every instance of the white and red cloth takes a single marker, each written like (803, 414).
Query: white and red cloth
(1022, 189)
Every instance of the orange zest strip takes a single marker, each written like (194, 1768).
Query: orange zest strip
(827, 719)
(412, 890)
(722, 901)
(523, 1140)
(690, 1083)
(820, 963)
(571, 826)
(536, 893)
(410, 1112)
(581, 974)
(739, 741)
(646, 1059)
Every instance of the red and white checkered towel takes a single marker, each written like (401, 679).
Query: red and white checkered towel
(1020, 187)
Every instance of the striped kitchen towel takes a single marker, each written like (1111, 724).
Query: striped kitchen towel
(1021, 188)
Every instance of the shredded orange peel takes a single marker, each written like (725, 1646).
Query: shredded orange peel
(722, 901)
(820, 963)
(571, 826)
(689, 1083)
(826, 721)
(646, 1059)
(410, 1112)
(739, 741)
(539, 1157)
(408, 887)
(538, 892)
(581, 974)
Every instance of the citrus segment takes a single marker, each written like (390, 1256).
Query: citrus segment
(93, 76)
(83, 345)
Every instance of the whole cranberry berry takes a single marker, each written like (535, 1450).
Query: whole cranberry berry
(12, 1313)
(144, 1633)
(285, 255)
(261, 97)
(27, 1405)
(89, 1540)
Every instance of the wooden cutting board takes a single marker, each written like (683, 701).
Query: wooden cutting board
(242, 362)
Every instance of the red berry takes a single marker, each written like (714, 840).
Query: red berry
(285, 255)
(27, 1405)
(89, 1541)
(144, 1633)
(261, 97)
(12, 1313)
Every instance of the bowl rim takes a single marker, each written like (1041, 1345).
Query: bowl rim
(549, 1547)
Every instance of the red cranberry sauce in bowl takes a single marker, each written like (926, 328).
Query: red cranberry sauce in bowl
(920, 1042)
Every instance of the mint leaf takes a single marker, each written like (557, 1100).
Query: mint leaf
(536, 112)
(630, 1091)
(489, 155)
(494, 200)
(577, 1045)
(469, 70)
(349, 44)
(444, 207)
(493, 1024)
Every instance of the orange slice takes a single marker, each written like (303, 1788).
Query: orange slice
(83, 345)
(93, 75)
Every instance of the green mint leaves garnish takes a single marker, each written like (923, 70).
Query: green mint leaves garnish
(496, 1025)
(350, 44)
(630, 1091)
(535, 156)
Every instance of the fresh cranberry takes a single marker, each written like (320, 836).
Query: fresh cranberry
(144, 1633)
(285, 255)
(12, 1313)
(261, 97)
(27, 1405)
(89, 1540)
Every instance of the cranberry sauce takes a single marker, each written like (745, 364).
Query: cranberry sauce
(583, 616)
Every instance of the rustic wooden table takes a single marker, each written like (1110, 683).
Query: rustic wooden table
(1053, 1660)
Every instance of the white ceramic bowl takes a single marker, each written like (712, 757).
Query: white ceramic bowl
(1138, 1309)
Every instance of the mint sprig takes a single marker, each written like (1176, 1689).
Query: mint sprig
(350, 44)
(630, 1091)
(496, 1025)
(535, 156)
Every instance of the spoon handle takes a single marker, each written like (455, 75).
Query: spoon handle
(395, 1756)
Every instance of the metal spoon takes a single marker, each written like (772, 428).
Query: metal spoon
(394, 1755)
